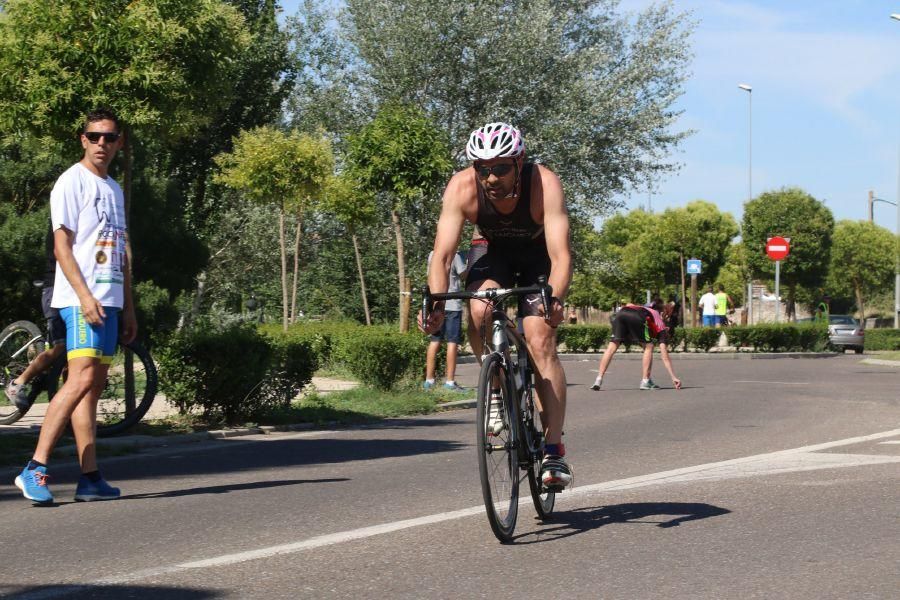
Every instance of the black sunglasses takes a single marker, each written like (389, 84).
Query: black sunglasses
(499, 170)
(108, 137)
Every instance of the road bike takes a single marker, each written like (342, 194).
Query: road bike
(509, 438)
(130, 384)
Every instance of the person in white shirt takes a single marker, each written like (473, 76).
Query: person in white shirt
(92, 290)
(708, 304)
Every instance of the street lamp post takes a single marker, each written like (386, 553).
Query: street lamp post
(747, 88)
(896, 17)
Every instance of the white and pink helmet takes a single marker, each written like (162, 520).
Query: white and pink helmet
(495, 140)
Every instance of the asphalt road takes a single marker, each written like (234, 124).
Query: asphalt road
(760, 479)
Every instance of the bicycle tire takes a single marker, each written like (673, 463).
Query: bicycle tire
(17, 348)
(543, 500)
(113, 416)
(498, 464)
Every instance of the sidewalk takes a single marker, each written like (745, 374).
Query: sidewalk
(161, 408)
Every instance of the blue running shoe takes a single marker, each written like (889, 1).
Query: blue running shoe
(428, 385)
(33, 483)
(88, 491)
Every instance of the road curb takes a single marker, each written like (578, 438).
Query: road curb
(722, 355)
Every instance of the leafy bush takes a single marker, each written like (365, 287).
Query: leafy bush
(157, 315)
(882, 339)
(382, 360)
(701, 338)
(779, 337)
(581, 338)
(233, 373)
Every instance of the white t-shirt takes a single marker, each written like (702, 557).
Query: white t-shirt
(457, 271)
(93, 209)
(708, 302)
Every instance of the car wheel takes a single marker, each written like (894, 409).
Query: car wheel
(858, 350)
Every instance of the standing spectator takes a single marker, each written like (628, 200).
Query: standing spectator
(823, 309)
(642, 325)
(723, 305)
(671, 313)
(91, 287)
(451, 330)
(708, 305)
(573, 316)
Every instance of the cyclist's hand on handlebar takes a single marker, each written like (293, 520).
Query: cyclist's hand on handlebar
(435, 320)
(557, 312)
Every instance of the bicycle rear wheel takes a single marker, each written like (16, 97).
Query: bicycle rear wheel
(129, 390)
(497, 459)
(19, 344)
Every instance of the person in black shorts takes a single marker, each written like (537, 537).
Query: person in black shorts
(522, 233)
(17, 390)
(642, 325)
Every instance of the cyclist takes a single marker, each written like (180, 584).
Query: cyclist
(92, 286)
(17, 389)
(642, 325)
(522, 232)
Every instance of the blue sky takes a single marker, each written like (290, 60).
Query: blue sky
(825, 107)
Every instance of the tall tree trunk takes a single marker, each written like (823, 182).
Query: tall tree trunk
(296, 264)
(362, 279)
(857, 289)
(401, 269)
(284, 283)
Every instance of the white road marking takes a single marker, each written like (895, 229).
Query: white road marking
(783, 461)
(776, 382)
(891, 442)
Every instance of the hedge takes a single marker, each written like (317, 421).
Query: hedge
(582, 338)
(233, 373)
(882, 339)
(779, 337)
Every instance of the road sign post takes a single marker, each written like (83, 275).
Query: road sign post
(694, 268)
(778, 248)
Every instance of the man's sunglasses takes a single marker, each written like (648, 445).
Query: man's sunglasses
(108, 137)
(498, 170)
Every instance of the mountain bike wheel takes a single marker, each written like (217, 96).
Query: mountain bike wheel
(498, 464)
(19, 344)
(126, 398)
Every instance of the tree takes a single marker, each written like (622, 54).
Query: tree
(592, 90)
(790, 213)
(287, 170)
(352, 207)
(404, 157)
(862, 261)
(163, 66)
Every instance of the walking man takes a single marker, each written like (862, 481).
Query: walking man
(92, 287)
(451, 330)
(723, 305)
(708, 305)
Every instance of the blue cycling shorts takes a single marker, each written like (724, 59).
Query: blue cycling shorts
(94, 341)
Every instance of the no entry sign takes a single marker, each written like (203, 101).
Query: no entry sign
(778, 248)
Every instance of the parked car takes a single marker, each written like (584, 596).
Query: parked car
(844, 332)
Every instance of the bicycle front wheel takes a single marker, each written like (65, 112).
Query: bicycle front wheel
(19, 344)
(496, 440)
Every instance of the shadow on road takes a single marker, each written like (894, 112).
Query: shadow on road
(112, 592)
(224, 489)
(572, 522)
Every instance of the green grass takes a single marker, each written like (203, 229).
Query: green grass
(888, 356)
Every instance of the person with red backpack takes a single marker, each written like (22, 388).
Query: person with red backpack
(643, 325)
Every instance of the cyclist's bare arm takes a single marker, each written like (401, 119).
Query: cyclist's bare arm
(556, 232)
(63, 240)
(455, 210)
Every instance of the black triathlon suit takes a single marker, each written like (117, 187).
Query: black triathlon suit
(515, 252)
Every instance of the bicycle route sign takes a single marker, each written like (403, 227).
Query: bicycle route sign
(777, 248)
(694, 266)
